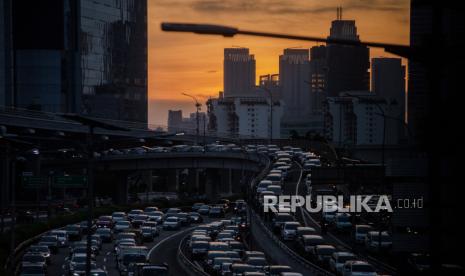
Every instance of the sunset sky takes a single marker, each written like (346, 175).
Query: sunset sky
(181, 62)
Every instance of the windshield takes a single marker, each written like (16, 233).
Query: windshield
(325, 251)
(79, 259)
(48, 239)
(291, 226)
(312, 241)
(82, 266)
(103, 231)
(172, 219)
(154, 271)
(343, 218)
(363, 229)
(122, 223)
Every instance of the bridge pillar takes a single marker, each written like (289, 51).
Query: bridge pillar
(213, 180)
(114, 184)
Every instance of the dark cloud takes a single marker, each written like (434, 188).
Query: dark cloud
(287, 7)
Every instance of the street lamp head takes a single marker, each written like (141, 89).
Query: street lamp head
(200, 29)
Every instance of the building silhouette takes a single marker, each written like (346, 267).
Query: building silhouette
(347, 65)
(239, 72)
(388, 80)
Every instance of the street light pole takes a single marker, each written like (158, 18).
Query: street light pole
(197, 110)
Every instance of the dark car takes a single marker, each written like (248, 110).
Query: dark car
(74, 232)
(105, 234)
(216, 212)
(138, 220)
(51, 242)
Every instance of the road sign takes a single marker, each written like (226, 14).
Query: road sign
(33, 181)
(72, 181)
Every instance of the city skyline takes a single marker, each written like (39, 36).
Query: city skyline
(198, 60)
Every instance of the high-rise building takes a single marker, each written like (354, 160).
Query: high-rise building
(294, 81)
(239, 72)
(85, 56)
(318, 76)
(3, 53)
(388, 80)
(174, 120)
(347, 65)
(253, 117)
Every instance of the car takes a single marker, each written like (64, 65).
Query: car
(218, 246)
(308, 242)
(150, 209)
(199, 249)
(143, 269)
(275, 270)
(358, 268)
(195, 217)
(263, 185)
(338, 259)
(156, 216)
(117, 216)
(42, 250)
(128, 258)
(74, 232)
(257, 262)
(195, 207)
(211, 255)
(204, 210)
(153, 225)
(217, 264)
(322, 253)
(171, 223)
(33, 258)
(289, 230)
(304, 230)
(216, 212)
(147, 233)
(98, 272)
(51, 241)
(279, 219)
(374, 242)
(134, 213)
(360, 232)
(105, 234)
(240, 207)
(276, 189)
(137, 220)
(80, 268)
(419, 263)
(250, 254)
(239, 269)
(275, 178)
(122, 225)
(184, 218)
(342, 222)
(172, 212)
(62, 235)
(33, 270)
(104, 224)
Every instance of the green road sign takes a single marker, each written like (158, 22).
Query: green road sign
(72, 181)
(33, 181)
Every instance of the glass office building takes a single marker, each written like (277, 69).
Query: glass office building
(87, 56)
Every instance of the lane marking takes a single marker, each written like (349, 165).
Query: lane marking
(169, 238)
(297, 193)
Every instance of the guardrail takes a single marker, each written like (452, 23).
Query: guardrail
(304, 262)
(190, 268)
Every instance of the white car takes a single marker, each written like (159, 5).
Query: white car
(62, 236)
(263, 185)
(338, 259)
(122, 225)
(358, 268)
(289, 230)
(171, 223)
(374, 242)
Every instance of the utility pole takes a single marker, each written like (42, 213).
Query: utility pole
(197, 110)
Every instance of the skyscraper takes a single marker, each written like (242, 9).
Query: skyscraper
(294, 79)
(318, 78)
(388, 80)
(347, 65)
(85, 56)
(239, 72)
